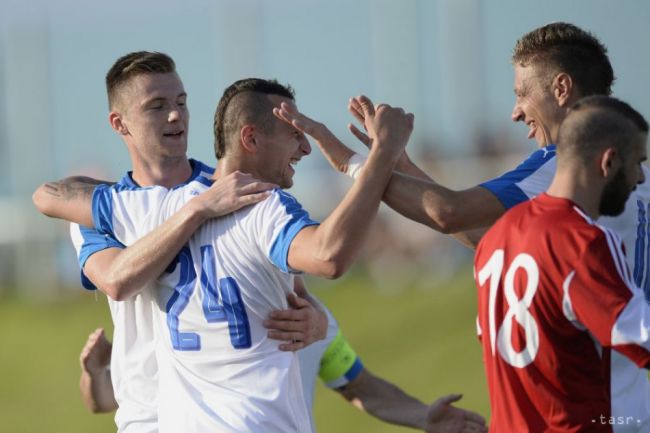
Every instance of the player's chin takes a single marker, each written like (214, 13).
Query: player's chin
(287, 182)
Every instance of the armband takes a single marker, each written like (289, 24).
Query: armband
(339, 364)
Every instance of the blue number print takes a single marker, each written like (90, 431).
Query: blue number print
(232, 307)
(220, 304)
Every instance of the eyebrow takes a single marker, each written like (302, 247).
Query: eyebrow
(162, 99)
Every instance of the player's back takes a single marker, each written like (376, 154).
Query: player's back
(220, 352)
(545, 371)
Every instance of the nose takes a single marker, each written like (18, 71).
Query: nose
(305, 147)
(176, 113)
(517, 114)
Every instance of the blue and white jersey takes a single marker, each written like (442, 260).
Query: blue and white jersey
(218, 370)
(630, 385)
(531, 178)
(134, 369)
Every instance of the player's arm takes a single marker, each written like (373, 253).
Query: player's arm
(410, 191)
(121, 272)
(327, 250)
(302, 324)
(342, 370)
(95, 381)
(391, 404)
(69, 199)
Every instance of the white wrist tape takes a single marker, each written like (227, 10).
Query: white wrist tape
(355, 164)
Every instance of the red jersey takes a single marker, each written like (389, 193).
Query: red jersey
(554, 295)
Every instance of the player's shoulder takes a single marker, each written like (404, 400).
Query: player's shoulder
(280, 199)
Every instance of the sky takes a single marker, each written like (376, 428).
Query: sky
(447, 61)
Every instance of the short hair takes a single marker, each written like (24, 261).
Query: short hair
(562, 47)
(598, 122)
(134, 64)
(245, 101)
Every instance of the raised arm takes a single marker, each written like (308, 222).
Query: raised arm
(391, 404)
(121, 272)
(327, 250)
(411, 192)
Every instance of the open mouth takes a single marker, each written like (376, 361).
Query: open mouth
(292, 163)
(533, 130)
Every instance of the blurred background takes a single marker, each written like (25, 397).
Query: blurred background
(408, 307)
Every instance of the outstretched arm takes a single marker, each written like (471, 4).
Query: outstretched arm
(327, 250)
(410, 191)
(122, 272)
(391, 404)
(95, 381)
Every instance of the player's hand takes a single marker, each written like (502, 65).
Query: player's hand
(442, 417)
(354, 107)
(389, 128)
(302, 325)
(96, 354)
(337, 153)
(231, 193)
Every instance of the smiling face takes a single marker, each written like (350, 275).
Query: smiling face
(152, 116)
(535, 105)
(281, 146)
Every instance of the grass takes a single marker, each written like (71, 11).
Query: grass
(423, 341)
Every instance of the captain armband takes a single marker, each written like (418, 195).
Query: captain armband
(339, 364)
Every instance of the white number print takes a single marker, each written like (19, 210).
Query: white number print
(517, 307)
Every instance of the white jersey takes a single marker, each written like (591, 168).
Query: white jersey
(218, 370)
(630, 387)
(134, 370)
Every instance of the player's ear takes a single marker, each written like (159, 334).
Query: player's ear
(248, 138)
(610, 161)
(117, 123)
(563, 89)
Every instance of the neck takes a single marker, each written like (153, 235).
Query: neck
(167, 172)
(575, 184)
(230, 164)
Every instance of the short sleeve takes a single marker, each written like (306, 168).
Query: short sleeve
(87, 242)
(604, 299)
(280, 219)
(128, 213)
(528, 180)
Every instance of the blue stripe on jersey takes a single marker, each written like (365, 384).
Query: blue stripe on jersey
(93, 243)
(102, 206)
(198, 169)
(505, 187)
(299, 220)
(354, 371)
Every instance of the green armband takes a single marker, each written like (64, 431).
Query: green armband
(339, 364)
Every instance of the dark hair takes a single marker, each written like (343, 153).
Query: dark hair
(245, 101)
(598, 122)
(133, 64)
(563, 47)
